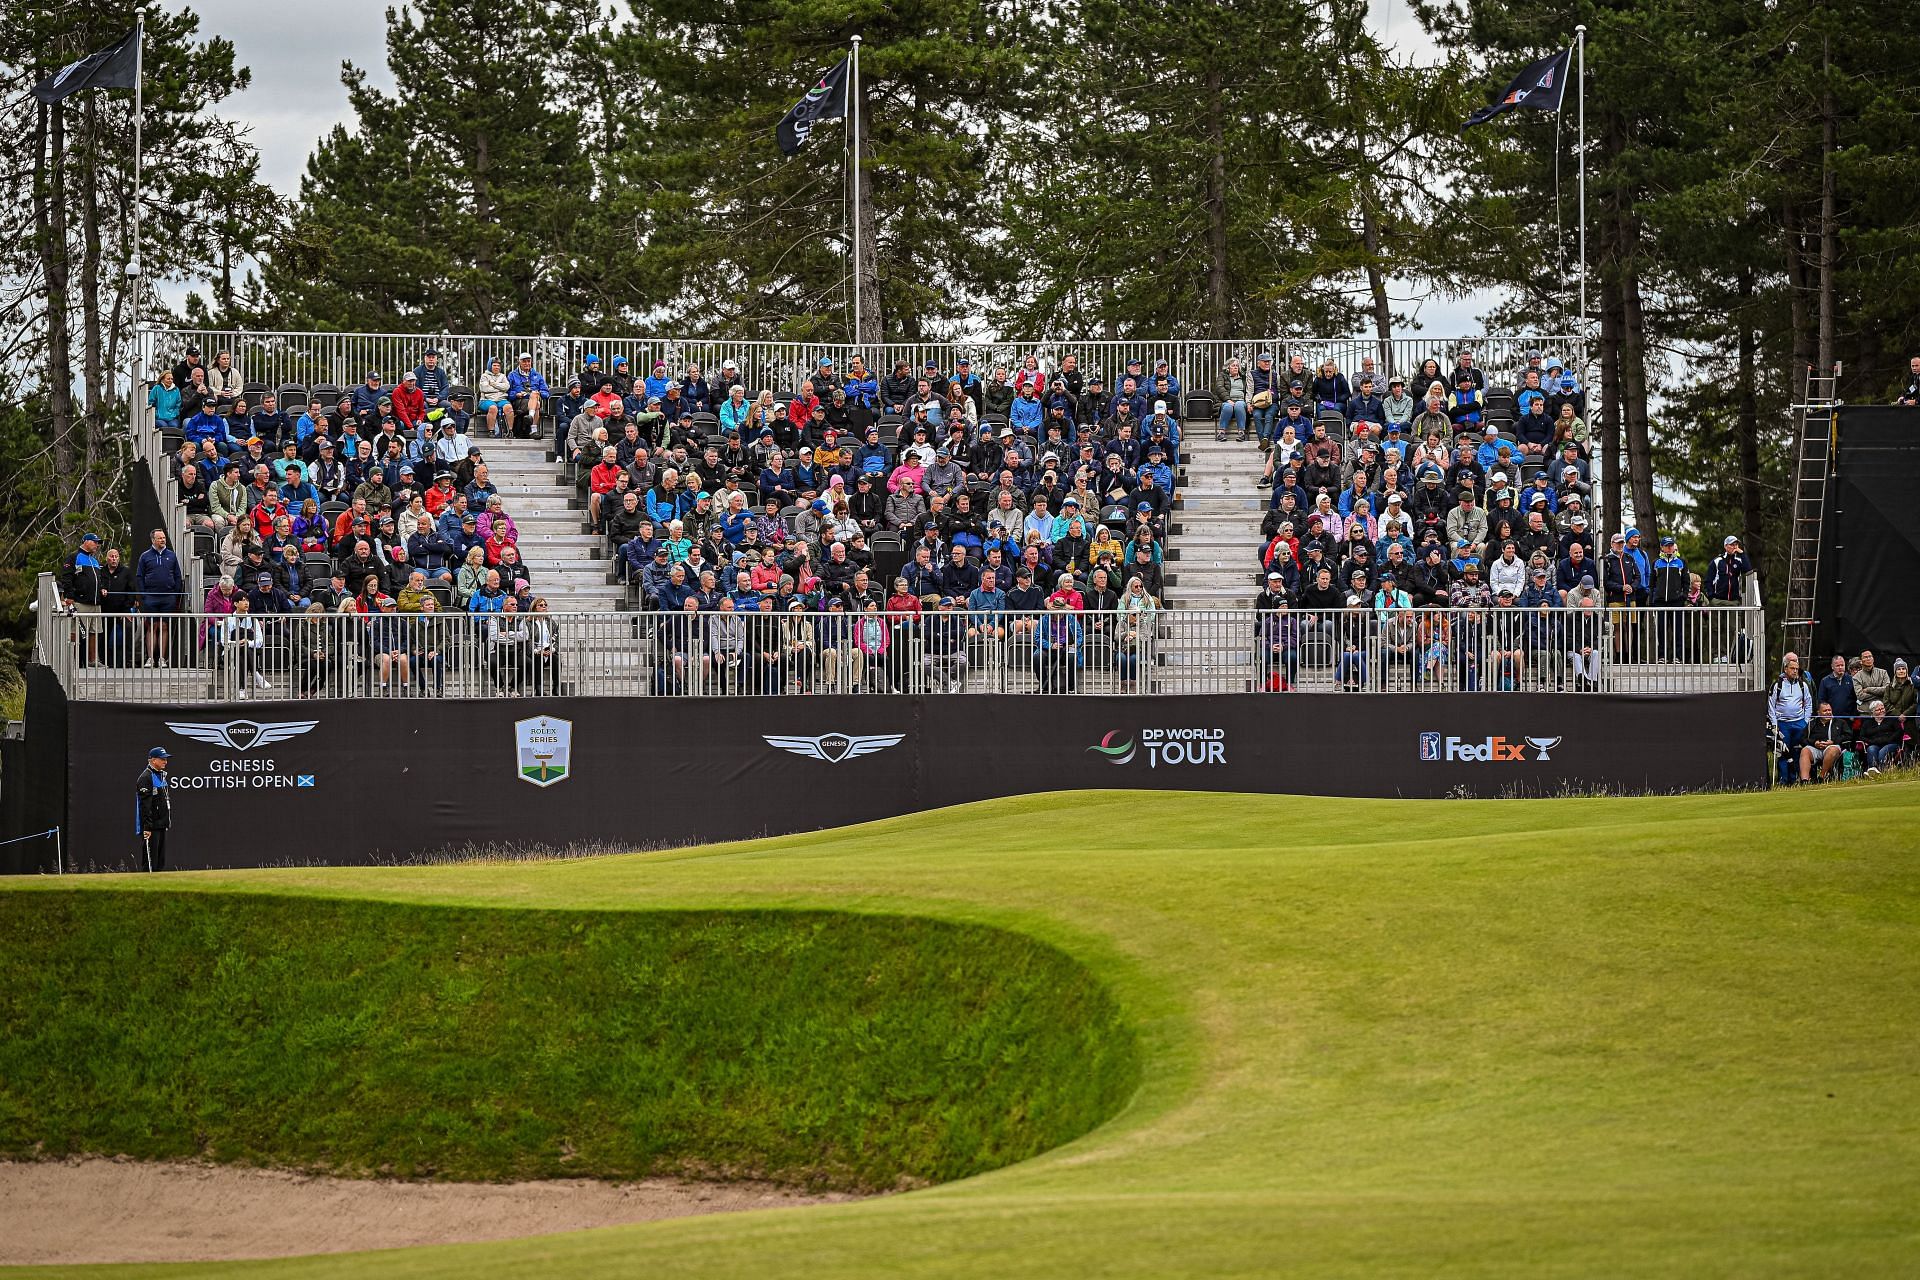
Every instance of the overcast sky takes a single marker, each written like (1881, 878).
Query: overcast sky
(295, 47)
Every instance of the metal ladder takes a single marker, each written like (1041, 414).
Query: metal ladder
(1813, 465)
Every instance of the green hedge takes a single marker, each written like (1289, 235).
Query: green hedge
(826, 1049)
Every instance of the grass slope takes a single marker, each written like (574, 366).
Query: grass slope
(1663, 1036)
(862, 1052)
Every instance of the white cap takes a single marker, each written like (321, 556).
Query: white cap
(1159, 406)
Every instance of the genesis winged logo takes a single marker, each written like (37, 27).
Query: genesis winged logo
(241, 735)
(834, 747)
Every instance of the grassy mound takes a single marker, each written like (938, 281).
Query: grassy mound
(830, 1049)
(1587, 1036)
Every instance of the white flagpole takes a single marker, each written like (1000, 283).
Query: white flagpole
(853, 121)
(1580, 36)
(139, 102)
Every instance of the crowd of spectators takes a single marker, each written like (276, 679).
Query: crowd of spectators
(1024, 490)
(1859, 717)
(1388, 496)
(929, 503)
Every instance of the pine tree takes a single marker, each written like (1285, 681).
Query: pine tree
(732, 236)
(454, 203)
(1177, 177)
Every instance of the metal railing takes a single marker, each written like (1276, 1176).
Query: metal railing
(201, 658)
(343, 360)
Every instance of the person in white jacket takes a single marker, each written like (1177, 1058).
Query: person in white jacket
(495, 397)
(1508, 572)
(243, 642)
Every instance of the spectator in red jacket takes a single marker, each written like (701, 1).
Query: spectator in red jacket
(601, 481)
(410, 404)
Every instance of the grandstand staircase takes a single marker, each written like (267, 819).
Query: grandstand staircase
(1213, 552)
(1214, 544)
(1813, 464)
(568, 564)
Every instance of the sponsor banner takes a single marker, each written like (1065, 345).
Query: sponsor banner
(346, 782)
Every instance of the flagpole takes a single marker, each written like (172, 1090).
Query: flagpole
(1580, 39)
(139, 103)
(853, 117)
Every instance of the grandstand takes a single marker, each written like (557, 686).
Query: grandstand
(1085, 465)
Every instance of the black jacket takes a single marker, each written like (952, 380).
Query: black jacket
(153, 806)
(117, 591)
(82, 584)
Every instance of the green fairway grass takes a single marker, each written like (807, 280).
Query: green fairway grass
(832, 1050)
(1575, 1037)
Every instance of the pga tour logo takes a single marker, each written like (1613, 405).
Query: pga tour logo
(1164, 746)
(1493, 750)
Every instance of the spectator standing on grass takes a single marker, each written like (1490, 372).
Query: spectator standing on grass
(1870, 683)
(1902, 696)
(1836, 689)
(153, 810)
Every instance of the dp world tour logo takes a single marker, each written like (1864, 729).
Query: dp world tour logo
(1164, 747)
(543, 749)
(1494, 750)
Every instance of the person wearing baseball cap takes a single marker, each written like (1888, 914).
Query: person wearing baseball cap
(153, 809)
(1727, 574)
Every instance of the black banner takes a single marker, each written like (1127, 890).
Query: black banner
(827, 100)
(1871, 562)
(115, 67)
(354, 782)
(1540, 85)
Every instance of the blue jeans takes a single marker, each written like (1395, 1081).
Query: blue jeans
(1263, 420)
(1231, 412)
(1877, 756)
(1792, 734)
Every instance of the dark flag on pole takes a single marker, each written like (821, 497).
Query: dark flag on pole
(1540, 86)
(112, 68)
(827, 100)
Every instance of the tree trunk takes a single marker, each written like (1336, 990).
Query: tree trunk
(871, 324)
(92, 362)
(1796, 269)
(1829, 228)
(1609, 424)
(52, 228)
(481, 182)
(1219, 301)
(1747, 429)
(1377, 287)
(1633, 387)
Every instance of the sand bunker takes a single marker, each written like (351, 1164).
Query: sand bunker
(127, 1211)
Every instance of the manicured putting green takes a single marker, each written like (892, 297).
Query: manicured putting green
(1577, 1037)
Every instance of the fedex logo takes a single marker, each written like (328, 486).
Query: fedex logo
(1497, 749)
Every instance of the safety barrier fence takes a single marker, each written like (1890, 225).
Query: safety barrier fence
(343, 360)
(946, 650)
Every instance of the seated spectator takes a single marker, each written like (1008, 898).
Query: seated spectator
(1820, 746)
(1881, 737)
(164, 399)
